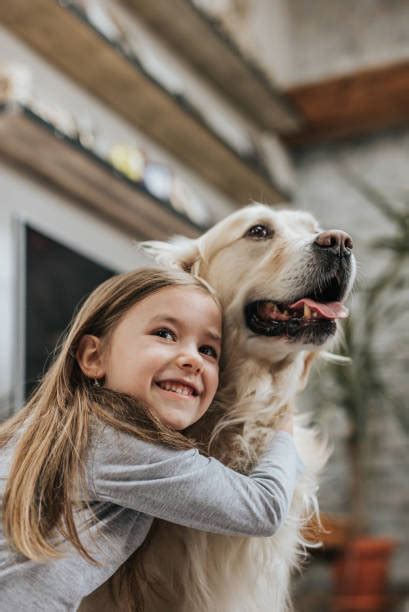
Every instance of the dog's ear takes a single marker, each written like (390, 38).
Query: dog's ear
(179, 252)
(309, 358)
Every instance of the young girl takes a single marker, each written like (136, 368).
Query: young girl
(98, 451)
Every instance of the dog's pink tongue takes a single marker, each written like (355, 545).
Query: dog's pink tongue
(331, 310)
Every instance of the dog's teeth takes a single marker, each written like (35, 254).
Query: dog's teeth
(307, 312)
(315, 315)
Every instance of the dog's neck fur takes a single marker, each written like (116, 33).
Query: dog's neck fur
(247, 387)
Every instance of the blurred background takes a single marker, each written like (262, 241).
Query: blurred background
(123, 120)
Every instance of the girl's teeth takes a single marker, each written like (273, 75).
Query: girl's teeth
(180, 389)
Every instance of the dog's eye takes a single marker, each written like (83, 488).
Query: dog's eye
(259, 232)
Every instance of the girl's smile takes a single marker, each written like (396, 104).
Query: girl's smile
(184, 388)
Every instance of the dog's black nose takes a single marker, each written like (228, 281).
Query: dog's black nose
(335, 241)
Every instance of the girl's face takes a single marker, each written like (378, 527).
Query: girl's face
(165, 351)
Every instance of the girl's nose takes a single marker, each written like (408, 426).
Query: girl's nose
(190, 361)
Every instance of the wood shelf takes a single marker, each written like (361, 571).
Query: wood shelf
(66, 39)
(35, 144)
(202, 42)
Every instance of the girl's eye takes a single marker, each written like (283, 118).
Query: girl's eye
(166, 333)
(210, 351)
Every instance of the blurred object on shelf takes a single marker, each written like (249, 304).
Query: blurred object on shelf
(87, 133)
(276, 160)
(104, 19)
(224, 11)
(228, 129)
(81, 128)
(185, 201)
(158, 179)
(15, 82)
(161, 181)
(130, 160)
(16, 85)
(52, 113)
(156, 67)
(100, 17)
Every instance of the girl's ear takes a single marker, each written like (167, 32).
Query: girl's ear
(89, 356)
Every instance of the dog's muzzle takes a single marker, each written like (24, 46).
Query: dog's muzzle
(308, 317)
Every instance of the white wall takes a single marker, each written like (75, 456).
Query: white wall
(341, 36)
(324, 190)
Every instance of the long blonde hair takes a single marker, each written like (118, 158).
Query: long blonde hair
(53, 428)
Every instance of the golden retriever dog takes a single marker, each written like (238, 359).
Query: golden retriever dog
(282, 281)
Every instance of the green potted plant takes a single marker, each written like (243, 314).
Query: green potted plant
(362, 385)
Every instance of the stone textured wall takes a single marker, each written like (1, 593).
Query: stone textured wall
(299, 41)
(333, 38)
(324, 189)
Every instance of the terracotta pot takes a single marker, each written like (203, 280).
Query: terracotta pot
(360, 603)
(360, 576)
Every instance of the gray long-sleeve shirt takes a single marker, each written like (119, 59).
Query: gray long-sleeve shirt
(129, 482)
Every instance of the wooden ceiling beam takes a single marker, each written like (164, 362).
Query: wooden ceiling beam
(352, 105)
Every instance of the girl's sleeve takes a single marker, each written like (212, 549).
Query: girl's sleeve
(189, 489)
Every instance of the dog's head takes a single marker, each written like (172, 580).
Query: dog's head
(279, 276)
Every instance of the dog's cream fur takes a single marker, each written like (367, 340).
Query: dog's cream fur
(261, 376)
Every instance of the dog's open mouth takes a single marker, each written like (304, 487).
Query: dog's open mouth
(309, 319)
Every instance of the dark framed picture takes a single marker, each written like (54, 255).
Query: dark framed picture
(55, 280)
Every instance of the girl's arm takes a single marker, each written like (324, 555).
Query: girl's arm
(187, 488)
